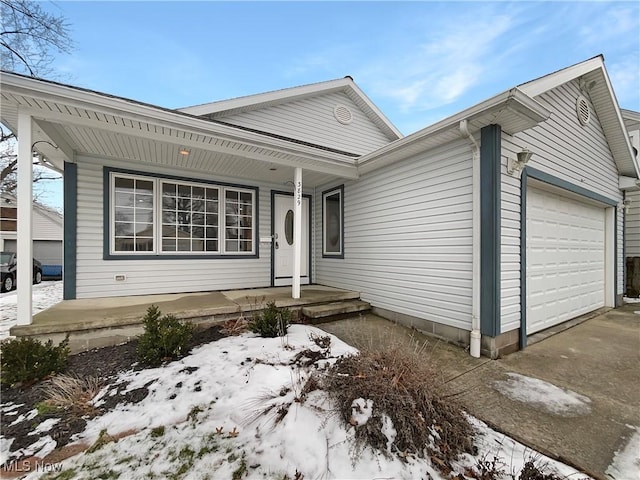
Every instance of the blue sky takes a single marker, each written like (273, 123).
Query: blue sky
(417, 61)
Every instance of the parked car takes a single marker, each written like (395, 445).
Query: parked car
(8, 270)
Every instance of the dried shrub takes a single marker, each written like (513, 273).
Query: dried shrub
(235, 327)
(271, 322)
(534, 470)
(404, 388)
(164, 338)
(72, 393)
(27, 359)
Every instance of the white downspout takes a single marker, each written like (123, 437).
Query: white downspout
(474, 347)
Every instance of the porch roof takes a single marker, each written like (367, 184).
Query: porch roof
(84, 122)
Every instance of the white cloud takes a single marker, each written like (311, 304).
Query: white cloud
(444, 67)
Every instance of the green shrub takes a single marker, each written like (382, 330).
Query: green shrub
(28, 359)
(271, 322)
(163, 338)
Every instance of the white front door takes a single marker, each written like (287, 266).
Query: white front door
(283, 212)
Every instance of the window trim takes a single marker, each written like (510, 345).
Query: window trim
(108, 203)
(327, 193)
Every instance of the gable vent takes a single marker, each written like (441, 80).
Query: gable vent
(583, 110)
(342, 114)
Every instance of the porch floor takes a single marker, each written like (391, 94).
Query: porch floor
(113, 312)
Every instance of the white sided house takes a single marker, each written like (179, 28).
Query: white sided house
(489, 226)
(631, 189)
(47, 233)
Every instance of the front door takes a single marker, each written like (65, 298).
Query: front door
(283, 217)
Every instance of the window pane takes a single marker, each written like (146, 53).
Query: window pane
(168, 189)
(212, 245)
(133, 214)
(184, 191)
(144, 186)
(169, 203)
(189, 219)
(238, 221)
(231, 246)
(168, 244)
(124, 184)
(332, 223)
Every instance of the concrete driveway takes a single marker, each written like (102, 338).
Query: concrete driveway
(574, 396)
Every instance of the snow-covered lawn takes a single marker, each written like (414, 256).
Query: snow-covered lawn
(45, 295)
(213, 415)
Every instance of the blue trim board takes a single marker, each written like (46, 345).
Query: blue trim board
(106, 221)
(549, 179)
(341, 254)
(70, 219)
(568, 186)
(615, 257)
(523, 259)
(490, 235)
(273, 231)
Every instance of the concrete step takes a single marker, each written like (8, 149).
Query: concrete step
(326, 310)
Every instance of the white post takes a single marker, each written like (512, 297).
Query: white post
(25, 205)
(297, 232)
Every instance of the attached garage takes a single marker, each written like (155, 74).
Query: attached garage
(566, 255)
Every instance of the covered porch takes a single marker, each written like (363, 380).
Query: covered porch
(88, 136)
(98, 322)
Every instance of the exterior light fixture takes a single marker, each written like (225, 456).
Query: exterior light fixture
(184, 152)
(515, 166)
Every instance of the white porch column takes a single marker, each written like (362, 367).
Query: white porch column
(297, 232)
(25, 205)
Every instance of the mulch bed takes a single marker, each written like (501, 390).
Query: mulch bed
(104, 363)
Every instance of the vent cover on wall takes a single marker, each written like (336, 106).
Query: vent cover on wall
(583, 110)
(342, 114)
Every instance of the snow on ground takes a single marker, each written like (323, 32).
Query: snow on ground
(631, 300)
(544, 395)
(45, 295)
(626, 463)
(213, 414)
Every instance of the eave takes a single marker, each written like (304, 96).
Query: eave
(512, 110)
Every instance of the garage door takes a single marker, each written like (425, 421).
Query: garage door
(565, 258)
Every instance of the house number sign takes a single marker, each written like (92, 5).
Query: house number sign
(299, 193)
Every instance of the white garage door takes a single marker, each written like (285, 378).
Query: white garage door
(565, 258)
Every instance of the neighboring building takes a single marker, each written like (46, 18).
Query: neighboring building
(47, 234)
(440, 229)
(632, 217)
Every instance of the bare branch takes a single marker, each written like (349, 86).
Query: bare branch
(30, 36)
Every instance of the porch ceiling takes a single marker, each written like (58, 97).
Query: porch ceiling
(151, 135)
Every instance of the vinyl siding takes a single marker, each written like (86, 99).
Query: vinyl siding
(311, 120)
(408, 237)
(563, 148)
(95, 276)
(632, 226)
(44, 228)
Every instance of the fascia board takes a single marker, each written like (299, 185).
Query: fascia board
(538, 86)
(513, 99)
(261, 99)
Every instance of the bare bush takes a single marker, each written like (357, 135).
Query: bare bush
(404, 388)
(72, 393)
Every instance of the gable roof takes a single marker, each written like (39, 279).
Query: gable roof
(595, 82)
(631, 119)
(516, 110)
(223, 108)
